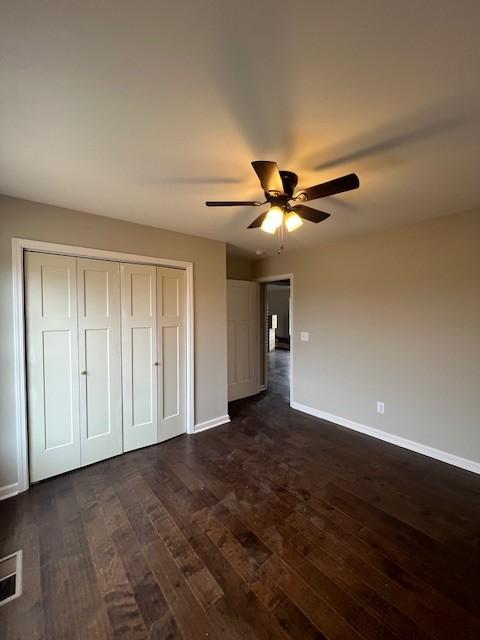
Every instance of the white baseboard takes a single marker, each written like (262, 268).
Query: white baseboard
(209, 424)
(449, 458)
(8, 490)
(262, 387)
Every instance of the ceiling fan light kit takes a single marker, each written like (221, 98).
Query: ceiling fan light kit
(279, 187)
(292, 221)
(267, 228)
(273, 220)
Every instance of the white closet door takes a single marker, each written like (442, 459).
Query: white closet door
(139, 348)
(99, 359)
(171, 352)
(52, 361)
(243, 338)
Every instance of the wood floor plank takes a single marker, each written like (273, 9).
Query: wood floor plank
(91, 619)
(340, 600)
(24, 534)
(362, 615)
(325, 619)
(219, 559)
(261, 588)
(57, 590)
(403, 598)
(433, 562)
(117, 592)
(148, 595)
(355, 587)
(243, 605)
(282, 544)
(202, 583)
(313, 526)
(191, 618)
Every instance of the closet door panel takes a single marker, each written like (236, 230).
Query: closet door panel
(171, 365)
(142, 376)
(57, 355)
(172, 355)
(98, 396)
(139, 348)
(100, 359)
(52, 364)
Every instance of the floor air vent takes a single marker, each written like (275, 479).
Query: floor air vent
(10, 577)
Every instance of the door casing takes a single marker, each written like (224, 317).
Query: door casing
(19, 246)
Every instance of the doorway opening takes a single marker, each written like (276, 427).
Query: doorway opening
(276, 336)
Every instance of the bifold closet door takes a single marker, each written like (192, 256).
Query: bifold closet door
(52, 364)
(171, 352)
(139, 355)
(98, 285)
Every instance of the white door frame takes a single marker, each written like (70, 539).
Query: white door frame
(19, 246)
(266, 280)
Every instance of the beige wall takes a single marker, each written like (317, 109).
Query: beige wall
(35, 221)
(239, 268)
(393, 316)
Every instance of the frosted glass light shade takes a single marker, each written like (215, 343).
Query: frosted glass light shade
(293, 221)
(273, 220)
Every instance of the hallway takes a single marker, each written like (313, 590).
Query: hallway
(278, 362)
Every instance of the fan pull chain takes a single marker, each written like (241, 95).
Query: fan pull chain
(281, 232)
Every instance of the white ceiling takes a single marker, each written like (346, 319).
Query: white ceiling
(143, 110)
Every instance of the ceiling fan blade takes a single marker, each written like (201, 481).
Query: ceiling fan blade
(229, 203)
(345, 183)
(258, 221)
(269, 176)
(313, 215)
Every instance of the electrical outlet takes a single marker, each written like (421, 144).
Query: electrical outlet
(304, 336)
(380, 407)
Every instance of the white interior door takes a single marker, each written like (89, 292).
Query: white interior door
(171, 352)
(52, 364)
(99, 359)
(139, 349)
(243, 338)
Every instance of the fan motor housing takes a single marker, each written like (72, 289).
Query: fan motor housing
(289, 180)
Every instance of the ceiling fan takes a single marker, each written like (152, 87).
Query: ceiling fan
(279, 189)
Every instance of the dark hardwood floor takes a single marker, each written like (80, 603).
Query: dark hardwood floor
(277, 525)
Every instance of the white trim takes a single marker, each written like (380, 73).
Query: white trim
(18, 555)
(262, 387)
(285, 276)
(399, 441)
(103, 254)
(8, 491)
(209, 424)
(266, 280)
(19, 365)
(19, 245)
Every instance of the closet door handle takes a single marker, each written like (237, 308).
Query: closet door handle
(156, 364)
(83, 373)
